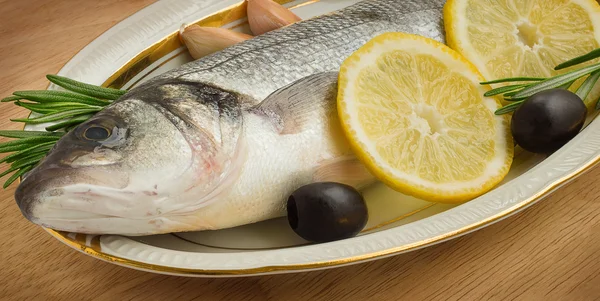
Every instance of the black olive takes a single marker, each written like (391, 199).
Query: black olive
(548, 120)
(322, 212)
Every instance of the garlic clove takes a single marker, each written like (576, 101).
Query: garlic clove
(202, 41)
(267, 15)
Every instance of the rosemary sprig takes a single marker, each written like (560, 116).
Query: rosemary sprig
(51, 96)
(17, 174)
(55, 116)
(509, 108)
(505, 89)
(11, 98)
(566, 85)
(27, 134)
(70, 122)
(86, 89)
(557, 81)
(514, 79)
(587, 86)
(27, 151)
(68, 108)
(524, 87)
(24, 142)
(594, 54)
(54, 107)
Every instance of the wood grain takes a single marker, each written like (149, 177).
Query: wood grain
(549, 252)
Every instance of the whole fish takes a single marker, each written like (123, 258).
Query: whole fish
(221, 141)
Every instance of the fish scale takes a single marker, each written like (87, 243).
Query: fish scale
(259, 66)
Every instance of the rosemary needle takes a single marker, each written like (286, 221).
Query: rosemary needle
(69, 108)
(518, 93)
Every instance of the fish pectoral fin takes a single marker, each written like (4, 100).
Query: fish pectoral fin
(296, 104)
(346, 170)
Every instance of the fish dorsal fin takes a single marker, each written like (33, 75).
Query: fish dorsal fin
(294, 105)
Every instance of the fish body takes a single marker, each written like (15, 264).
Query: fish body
(221, 141)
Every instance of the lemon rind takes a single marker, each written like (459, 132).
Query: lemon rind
(430, 191)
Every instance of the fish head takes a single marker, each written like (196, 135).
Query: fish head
(138, 165)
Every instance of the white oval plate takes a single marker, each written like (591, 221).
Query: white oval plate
(146, 44)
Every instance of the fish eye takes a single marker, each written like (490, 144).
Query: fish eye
(96, 133)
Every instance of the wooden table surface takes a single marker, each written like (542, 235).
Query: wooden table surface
(548, 252)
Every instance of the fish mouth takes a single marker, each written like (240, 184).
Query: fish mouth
(66, 212)
(52, 203)
(45, 192)
(80, 221)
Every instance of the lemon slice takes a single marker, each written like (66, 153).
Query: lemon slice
(510, 38)
(415, 115)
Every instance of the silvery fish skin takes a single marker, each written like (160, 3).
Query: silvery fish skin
(221, 141)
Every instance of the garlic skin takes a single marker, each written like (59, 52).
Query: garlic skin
(202, 41)
(267, 15)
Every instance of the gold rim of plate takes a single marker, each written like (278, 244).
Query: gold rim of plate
(171, 43)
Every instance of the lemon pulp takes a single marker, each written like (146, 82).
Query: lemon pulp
(415, 114)
(514, 38)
